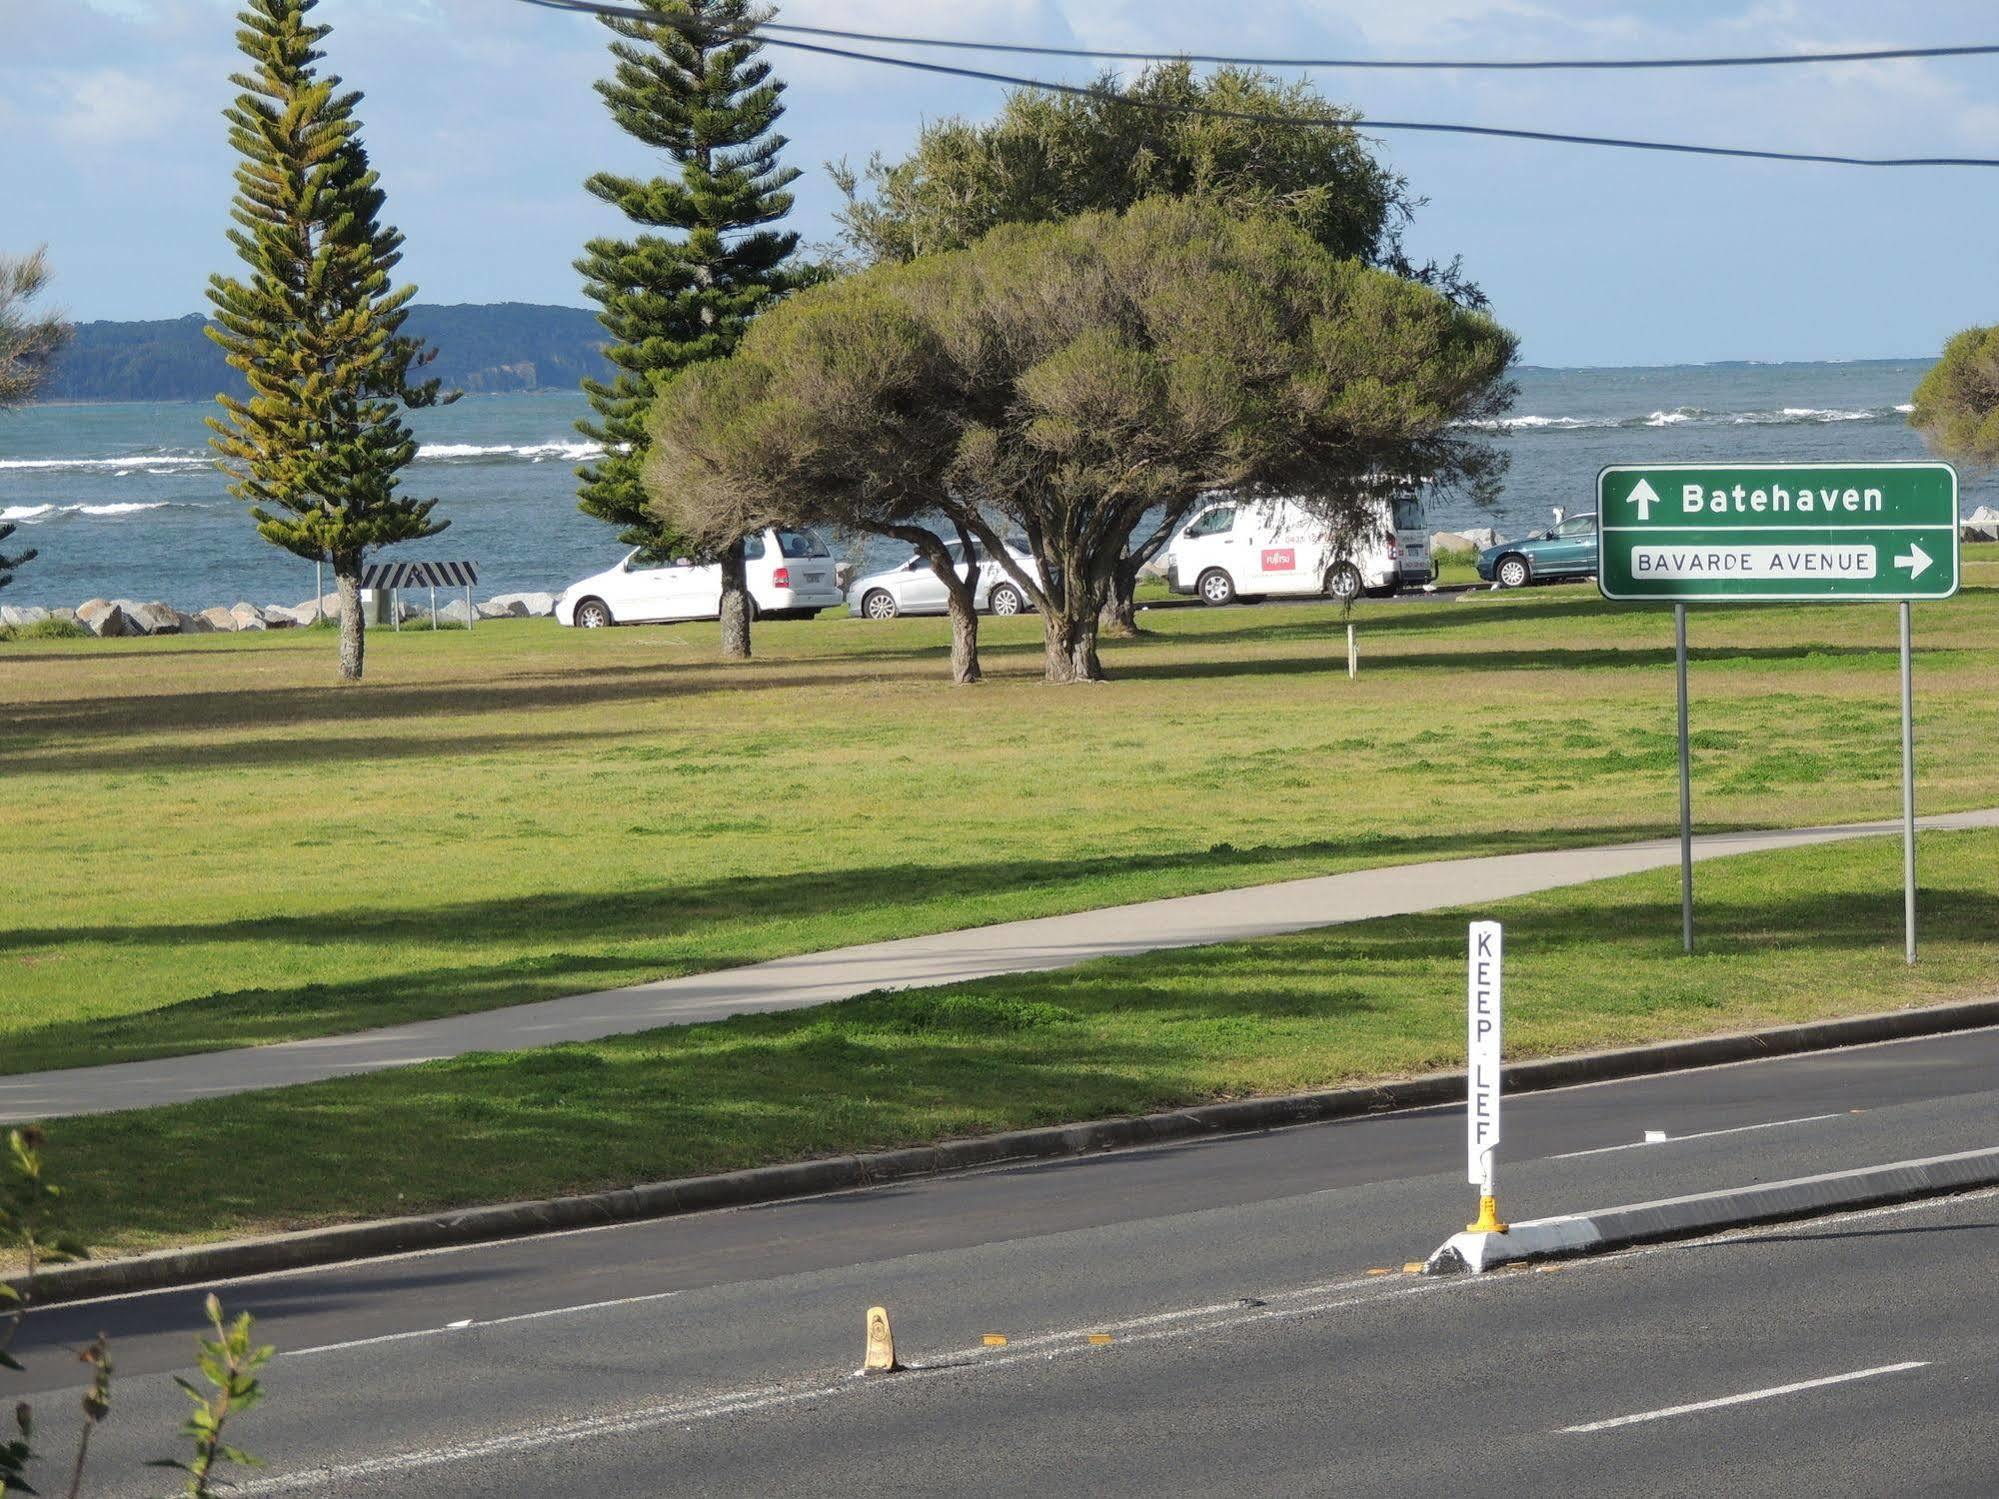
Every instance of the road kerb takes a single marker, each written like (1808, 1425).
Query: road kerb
(1713, 1212)
(209, 1263)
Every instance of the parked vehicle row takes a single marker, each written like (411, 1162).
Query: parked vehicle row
(1229, 550)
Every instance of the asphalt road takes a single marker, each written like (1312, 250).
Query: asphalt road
(1251, 1351)
(914, 962)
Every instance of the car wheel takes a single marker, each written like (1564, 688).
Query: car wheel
(592, 614)
(1344, 582)
(879, 604)
(1216, 587)
(1006, 600)
(1513, 572)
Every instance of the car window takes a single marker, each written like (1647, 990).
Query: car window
(1409, 515)
(647, 558)
(1214, 523)
(1021, 545)
(1580, 525)
(801, 544)
(753, 548)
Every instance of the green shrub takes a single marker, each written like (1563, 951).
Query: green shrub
(45, 629)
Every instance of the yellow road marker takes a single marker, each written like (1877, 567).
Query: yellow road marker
(881, 1343)
(994, 1340)
(1385, 1270)
(1099, 1339)
(1412, 1267)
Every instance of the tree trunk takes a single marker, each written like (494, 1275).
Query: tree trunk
(353, 629)
(964, 638)
(1120, 615)
(1072, 646)
(736, 604)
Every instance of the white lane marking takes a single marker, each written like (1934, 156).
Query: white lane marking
(432, 1332)
(1706, 1134)
(1744, 1399)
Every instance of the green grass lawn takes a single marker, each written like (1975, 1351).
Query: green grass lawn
(1787, 936)
(213, 845)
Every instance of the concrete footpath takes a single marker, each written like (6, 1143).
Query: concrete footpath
(910, 963)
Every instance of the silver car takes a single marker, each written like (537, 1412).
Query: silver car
(913, 588)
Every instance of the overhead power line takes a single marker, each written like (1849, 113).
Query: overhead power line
(1160, 106)
(1463, 64)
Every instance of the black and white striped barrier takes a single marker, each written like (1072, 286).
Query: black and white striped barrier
(395, 576)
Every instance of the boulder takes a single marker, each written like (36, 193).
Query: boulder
(277, 617)
(492, 610)
(18, 615)
(105, 618)
(216, 618)
(63, 614)
(248, 617)
(326, 606)
(457, 612)
(535, 604)
(1984, 515)
(1452, 541)
(154, 618)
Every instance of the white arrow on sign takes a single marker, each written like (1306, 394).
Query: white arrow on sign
(1915, 560)
(1644, 497)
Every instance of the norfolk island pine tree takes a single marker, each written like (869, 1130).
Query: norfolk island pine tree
(27, 343)
(316, 327)
(692, 85)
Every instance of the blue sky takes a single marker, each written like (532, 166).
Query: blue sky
(481, 118)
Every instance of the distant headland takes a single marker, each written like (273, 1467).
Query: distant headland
(500, 346)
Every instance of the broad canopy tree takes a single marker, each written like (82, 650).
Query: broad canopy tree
(315, 325)
(1957, 404)
(1047, 157)
(28, 342)
(1063, 380)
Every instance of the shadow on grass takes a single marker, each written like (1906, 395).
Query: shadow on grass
(1119, 1036)
(1482, 661)
(572, 931)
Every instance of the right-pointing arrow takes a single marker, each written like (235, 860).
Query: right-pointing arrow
(1915, 560)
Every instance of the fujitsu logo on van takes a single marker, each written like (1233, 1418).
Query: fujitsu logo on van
(1279, 559)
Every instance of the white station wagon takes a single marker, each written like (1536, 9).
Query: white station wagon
(790, 577)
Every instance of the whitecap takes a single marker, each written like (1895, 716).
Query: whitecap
(125, 509)
(25, 512)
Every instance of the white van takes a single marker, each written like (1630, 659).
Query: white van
(1249, 548)
(790, 576)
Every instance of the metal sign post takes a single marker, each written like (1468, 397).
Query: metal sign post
(1686, 787)
(1483, 1040)
(1802, 533)
(1908, 794)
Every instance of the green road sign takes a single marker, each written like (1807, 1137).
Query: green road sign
(1818, 531)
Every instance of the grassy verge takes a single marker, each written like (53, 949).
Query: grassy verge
(216, 846)
(1785, 936)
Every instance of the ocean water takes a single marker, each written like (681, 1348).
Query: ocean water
(123, 501)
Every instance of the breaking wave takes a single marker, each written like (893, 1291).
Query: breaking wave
(1695, 416)
(35, 515)
(167, 464)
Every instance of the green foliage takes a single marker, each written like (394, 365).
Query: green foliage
(1957, 405)
(45, 629)
(316, 327)
(705, 98)
(1063, 379)
(27, 341)
(229, 1363)
(30, 1223)
(1051, 156)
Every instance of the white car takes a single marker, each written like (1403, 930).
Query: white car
(915, 588)
(1248, 548)
(791, 576)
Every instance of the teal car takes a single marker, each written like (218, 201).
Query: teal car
(1568, 551)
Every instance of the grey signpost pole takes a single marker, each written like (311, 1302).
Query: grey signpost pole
(1686, 787)
(1908, 794)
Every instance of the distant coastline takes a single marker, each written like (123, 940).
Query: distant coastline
(502, 348)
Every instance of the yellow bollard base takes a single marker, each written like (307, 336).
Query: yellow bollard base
(1488, 1218)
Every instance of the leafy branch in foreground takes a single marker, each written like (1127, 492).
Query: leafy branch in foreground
(28, 1207)
(229, 1362)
